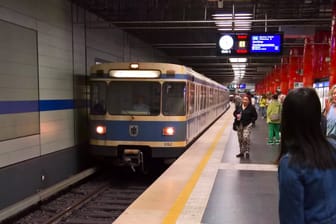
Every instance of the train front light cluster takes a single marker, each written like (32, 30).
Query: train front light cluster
(168, 131)
(101, 129)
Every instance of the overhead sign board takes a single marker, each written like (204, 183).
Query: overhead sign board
(266, 43)
(250, 44)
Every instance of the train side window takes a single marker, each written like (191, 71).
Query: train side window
(203, 97)
(191, 98)
(97, 98)
(174, 98)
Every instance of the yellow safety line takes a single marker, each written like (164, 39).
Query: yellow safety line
(181, 200)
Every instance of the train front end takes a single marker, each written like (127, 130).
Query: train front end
(136, 113)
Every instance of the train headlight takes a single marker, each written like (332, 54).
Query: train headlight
(168, 131)
(101, 130)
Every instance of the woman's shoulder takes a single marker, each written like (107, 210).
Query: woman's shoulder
(250, 107)
(291, 170)
(284, 159)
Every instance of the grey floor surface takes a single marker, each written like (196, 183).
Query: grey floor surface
(245, 196)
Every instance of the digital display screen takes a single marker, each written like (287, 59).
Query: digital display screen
(266, 43)
(250, 44)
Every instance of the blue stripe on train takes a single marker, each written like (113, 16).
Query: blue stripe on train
(10, 107)
(147, 130)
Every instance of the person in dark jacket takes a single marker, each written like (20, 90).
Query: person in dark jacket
(307, 162)
(245, 115)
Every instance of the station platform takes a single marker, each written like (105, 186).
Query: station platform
(209, 185)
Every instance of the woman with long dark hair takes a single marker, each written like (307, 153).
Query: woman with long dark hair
(307, 164)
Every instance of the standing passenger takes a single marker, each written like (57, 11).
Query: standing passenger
(245, 115)
(238, 101)
(330, 113)
(307, 164)
(253, 103)
(273, 120)
(262, 106)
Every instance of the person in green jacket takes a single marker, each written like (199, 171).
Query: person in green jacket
(273, 120)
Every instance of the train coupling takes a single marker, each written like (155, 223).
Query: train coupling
(134, 158)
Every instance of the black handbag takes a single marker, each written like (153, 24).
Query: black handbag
(235, 125)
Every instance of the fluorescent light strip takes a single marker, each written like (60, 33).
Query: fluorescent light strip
(225, 29)
(222, 15)
(242, 17)
(234, 65)
(237, 60)
(246, 23)
(241, 29)
(219, 23)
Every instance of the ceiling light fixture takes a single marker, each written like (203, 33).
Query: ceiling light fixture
(233, 21)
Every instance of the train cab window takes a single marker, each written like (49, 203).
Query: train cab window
(134, 98)
(174, 98)
(97, 98)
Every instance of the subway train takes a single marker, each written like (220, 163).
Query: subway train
(142, 111)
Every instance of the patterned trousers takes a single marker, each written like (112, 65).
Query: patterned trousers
(244, 140)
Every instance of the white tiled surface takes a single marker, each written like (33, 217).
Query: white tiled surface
(195, 206)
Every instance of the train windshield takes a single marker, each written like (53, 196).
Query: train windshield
(98, 98)
(134, 98)
(174, 98)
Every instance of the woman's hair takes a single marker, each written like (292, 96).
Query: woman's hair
(301, 133)
(248, 97)
(330, 93)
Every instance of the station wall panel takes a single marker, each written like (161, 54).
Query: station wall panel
(18, 125)
(18, 87)
(20, 149)
(56, 123)
(56, 76)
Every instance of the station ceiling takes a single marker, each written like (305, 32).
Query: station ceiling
(186, 29)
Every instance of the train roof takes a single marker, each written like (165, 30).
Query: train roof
(163, 67)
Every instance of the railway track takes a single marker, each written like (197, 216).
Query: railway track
(98, 200)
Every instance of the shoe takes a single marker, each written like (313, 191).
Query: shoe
(270, 143)
(277, 142)
(240, 155)
(247, 155)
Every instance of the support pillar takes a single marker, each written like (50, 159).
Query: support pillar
(308, 61)
(321, 54)
(294, 66)
(284, 75)
(332, 77)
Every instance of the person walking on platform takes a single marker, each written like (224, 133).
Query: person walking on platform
(307, 162)
(330, 113)
(273, 120)
(245, 115)
(263, 106)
